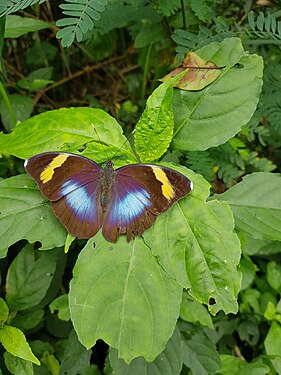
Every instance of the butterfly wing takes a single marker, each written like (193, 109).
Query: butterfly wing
(72, 183)
(141, 192)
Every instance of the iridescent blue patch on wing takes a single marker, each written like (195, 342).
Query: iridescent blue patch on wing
(77, 198)
(130, 206)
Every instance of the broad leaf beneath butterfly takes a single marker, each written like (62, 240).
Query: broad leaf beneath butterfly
(120, 294)
(26, 214)
(195, 244)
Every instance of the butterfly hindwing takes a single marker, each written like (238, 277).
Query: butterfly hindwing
(140, 193)
(71, 183)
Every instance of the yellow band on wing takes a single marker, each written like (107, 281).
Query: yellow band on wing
(167, 188)
(48, 172)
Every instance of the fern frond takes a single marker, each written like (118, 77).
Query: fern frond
(186, 40)
(82, 14)
(201, 162)
(271, 109)
(272, 78)
(229, 159)
(167, 7)
(12, 6)
(264, 26)
(201, 10)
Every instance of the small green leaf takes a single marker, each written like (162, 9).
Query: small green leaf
(18, 365)
(28, 319)
(75, 356)
(273, 275)
(29, 278)
(36, 80)
(60, 304)
(51, 363)
(17, 26)
(256, 205)
(120, 294)
(272, 344)
(248, 272)
(15, 343)
(169, 362)
(193, 312)
(150, 34)
(22, 107)
(25, 214)
(4, 312)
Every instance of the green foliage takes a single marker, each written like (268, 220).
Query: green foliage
(82, 14)
(264, 26)
(12, 6)
(202, 10)
(163, 298)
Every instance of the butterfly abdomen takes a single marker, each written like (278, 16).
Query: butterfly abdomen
(107, 181)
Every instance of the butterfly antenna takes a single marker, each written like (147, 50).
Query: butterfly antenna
(127, 140)
(101, 142)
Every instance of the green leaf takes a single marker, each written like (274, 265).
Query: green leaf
(15, 343)
(17, 26)
(169, 362)
(198, 247)
(75, 356)
(150, 34)
(273, 275)
(256, 205)
(4, 312)
(25, 214)
(210, 117)
(68, 130)
(36, 80)
(51, 363)
(272, 344)
(22, 107)
(248, 272)
(199, 353)
(193, 312)
(28, 319)
(120, 294)
(60, 304)
(154, 129)
(17, 365)
(29, 278)
(234, 365)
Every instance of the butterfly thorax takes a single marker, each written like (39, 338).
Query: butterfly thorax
(107, 181)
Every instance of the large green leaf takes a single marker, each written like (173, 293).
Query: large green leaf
(25, 214)
(15, 343)
(120, 294)
(29, 278)
(195, 243)
(256, 205)
(17, 365)
(210, 117)
(199, 353)
(169, 362)
(75, 356)
(68, 130)
(17, 26)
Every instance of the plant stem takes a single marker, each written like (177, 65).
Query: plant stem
(145, 73)
(8, 104)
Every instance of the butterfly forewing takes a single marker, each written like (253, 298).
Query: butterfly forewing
(71, 183)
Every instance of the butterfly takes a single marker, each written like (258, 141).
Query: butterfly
(86, 197)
